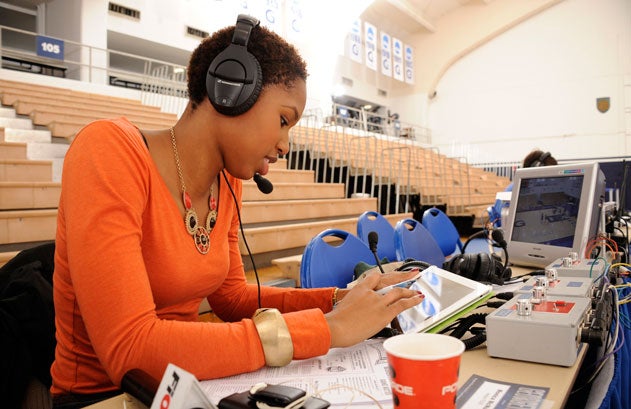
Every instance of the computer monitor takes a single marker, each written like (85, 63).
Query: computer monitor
(554, 210)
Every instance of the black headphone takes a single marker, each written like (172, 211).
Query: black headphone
(541, 160)
(482, 267)
(234, 78)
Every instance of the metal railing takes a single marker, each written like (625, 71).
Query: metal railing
(159, 83)
(507, 169)
(370, 161)
(374, 122)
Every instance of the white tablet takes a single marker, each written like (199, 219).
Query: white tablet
(445, 293)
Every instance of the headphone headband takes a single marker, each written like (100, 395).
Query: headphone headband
(243, 28)
(542, 158)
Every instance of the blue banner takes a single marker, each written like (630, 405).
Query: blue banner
(50, 47)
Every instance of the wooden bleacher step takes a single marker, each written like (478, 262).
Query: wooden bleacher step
(41, 117)
(5, 256)
(24, 106)
(23, 88)
(294, 191)
(23, 226)
(67, 129)
(29, 195)
(272, 238)
(7, 112)
(12, 150)
(274, 211)
(25, 170)
(279, 175)
(17, 123)
(297, 235)
(9, 134)
(44, 116)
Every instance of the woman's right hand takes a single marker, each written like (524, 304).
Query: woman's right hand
(363, 312)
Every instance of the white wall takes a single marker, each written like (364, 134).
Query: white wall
(537, 85)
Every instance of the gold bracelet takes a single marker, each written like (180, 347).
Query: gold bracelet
(334, 298)
(278, 347)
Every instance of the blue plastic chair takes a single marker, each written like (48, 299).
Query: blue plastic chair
(370, 221)
(326, 264)
(413, 241)
(443, 230)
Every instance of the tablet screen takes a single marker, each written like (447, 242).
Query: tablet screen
(445, 293)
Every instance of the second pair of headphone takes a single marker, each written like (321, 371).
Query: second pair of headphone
(541, 160)
(482, 267)
(234, 77)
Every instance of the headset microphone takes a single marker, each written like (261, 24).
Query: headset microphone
(373, 238)
(264, 185)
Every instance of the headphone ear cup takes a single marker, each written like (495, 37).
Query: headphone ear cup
(485, 268)
(481, 267)
(497, 274)
(452, 265)
(461, 264)
(253, 93)
(469, 266)
(234, 81)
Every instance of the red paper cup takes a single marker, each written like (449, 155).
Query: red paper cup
(424, 370)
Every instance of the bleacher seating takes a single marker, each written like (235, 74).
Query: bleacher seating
(416, 170)
(305, 201)
(30, 189)
(63, 112)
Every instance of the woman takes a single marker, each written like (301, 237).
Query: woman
(148, 228)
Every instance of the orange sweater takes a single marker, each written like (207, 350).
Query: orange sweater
(128, 279)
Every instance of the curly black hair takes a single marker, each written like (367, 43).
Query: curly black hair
(280, 61)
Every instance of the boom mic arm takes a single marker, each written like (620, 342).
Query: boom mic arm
(373, 238)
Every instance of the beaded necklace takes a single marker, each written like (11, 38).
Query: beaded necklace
(200, 233)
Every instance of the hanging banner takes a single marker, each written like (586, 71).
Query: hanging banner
(295, 20)
(397, 59)
(272, 16)
(371, 46)
(355, 42)
(409, 64)
(386, 55)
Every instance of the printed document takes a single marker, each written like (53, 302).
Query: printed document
(356, 375)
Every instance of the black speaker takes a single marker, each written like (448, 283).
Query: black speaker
(482, 267)
(234, 78)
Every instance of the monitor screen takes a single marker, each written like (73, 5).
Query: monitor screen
(554, 210)
(547, 209)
